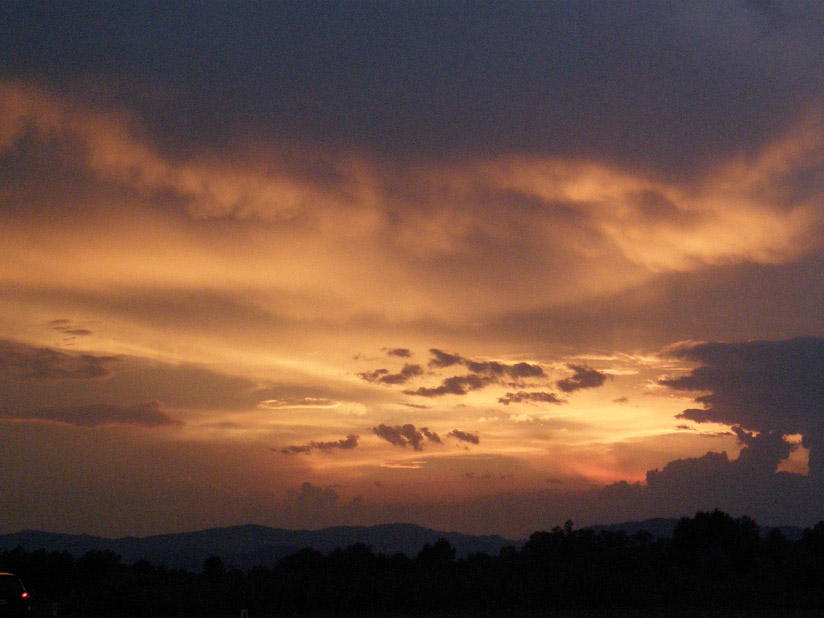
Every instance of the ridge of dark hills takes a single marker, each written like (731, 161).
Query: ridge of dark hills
(245, 546)
(249, 545)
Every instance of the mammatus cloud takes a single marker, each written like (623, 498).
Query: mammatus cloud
(534, 396)
(149, 414)
(299, 402)
(464, 436)
(771, 387)
(35, 363)
(405, 435)
(347, 443)
(383, 376)
(583, 377)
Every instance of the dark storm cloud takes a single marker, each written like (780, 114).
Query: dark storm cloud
(347, 443)
(534, 396)
(645, 82)
(383, 376)
(582, 377)
(765, 386)
(149, 414)
(37, 363)
(405, 435)
(749, 484)
(456, 385)
(464, 436)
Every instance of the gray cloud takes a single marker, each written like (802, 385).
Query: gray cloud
(347, 443)
(464, 436)
(405, 435)
(533, 396)
(38, 363)
(763, 386)
(441, 359)
(399, 352)
(383, 376)
(582, 377)
(456, 385)
(149, 414)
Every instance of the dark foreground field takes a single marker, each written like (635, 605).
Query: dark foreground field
(586, 613)
(712, 561)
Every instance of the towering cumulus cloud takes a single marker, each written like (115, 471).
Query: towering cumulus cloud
(763, 386)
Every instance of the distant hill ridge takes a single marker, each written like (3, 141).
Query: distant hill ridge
(251, 545)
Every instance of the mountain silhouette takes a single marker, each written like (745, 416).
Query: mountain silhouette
(246, 546)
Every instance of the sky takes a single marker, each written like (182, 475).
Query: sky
(482, 267)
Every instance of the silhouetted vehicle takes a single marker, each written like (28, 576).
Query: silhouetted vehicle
(14, 600)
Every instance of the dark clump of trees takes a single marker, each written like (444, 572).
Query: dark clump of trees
(711, 561)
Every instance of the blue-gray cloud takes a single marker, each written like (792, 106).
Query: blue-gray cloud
(763, 386)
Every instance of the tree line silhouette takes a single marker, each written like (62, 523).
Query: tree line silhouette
(712, 561)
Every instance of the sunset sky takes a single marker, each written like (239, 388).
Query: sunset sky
(478, 266)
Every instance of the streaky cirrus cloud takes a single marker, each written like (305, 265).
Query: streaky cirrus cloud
(582, 377)
(347, 443)
(299, 402)
(763, 386)
(405, 435)
(531, 396)
(148, 414)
